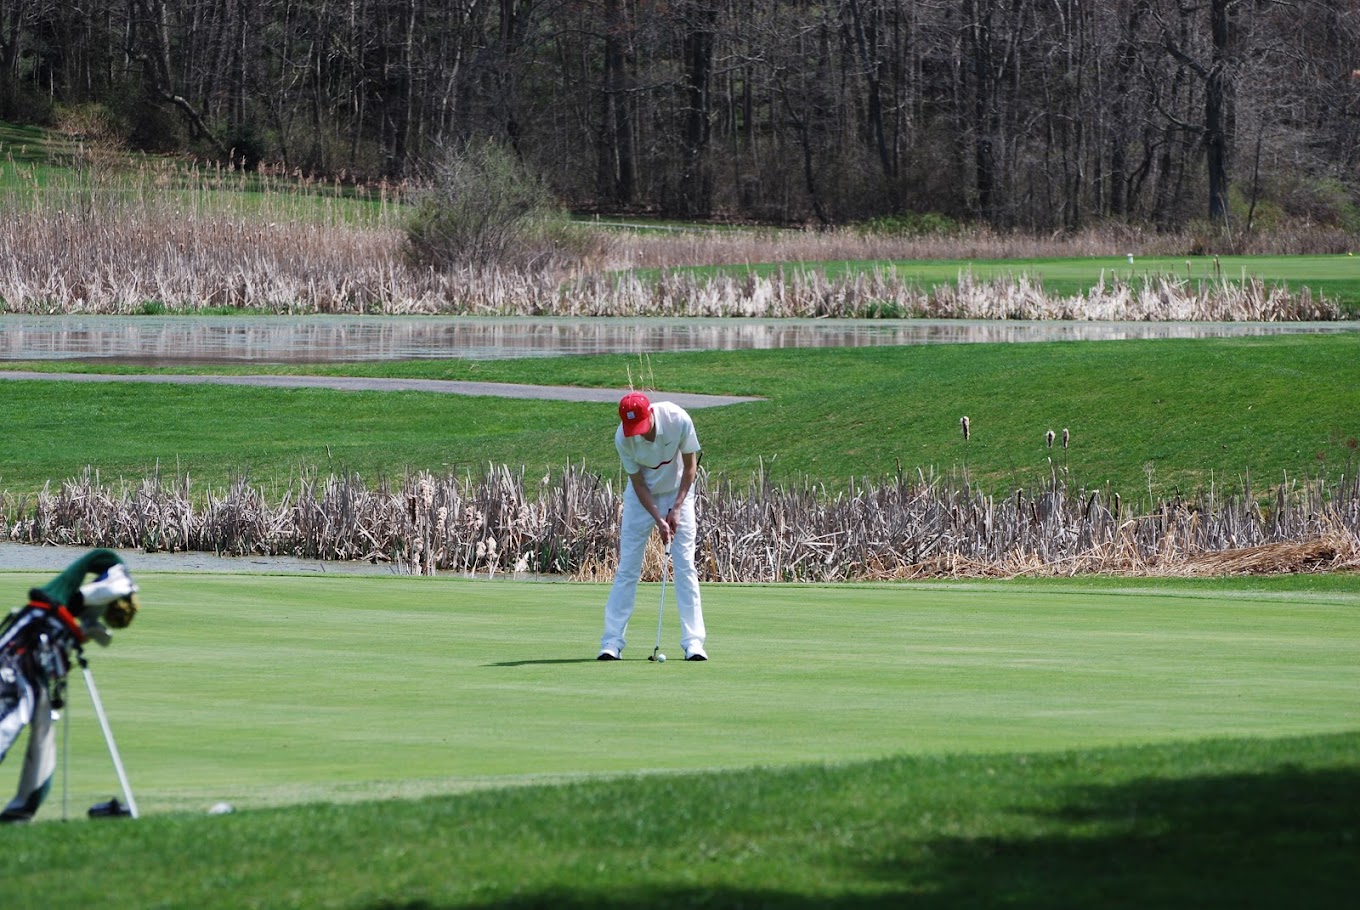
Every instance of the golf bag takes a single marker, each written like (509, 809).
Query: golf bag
(35, 651)
(36, 641)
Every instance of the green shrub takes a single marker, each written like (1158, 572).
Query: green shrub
(248, 146)
(912, 224)
(483, 207)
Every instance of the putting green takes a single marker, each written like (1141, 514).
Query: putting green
(267, 690)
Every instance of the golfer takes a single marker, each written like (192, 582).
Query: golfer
(660, 454)
(35, 654)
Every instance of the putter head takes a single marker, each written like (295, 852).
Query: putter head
(654, 653)
(111, 809)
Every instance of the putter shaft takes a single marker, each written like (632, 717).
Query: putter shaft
(661, 611)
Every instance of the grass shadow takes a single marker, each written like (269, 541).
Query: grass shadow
(1287, 838)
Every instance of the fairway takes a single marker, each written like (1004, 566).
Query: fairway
(272, 690)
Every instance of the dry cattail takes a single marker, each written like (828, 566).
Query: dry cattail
(1048, 437)
(966, 430)
(1066, 437)
(858, 534)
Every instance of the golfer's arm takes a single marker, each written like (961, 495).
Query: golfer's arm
(689, 465)
(645, 497)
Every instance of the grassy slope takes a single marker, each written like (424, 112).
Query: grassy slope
(1218, 824)
(33, 159)
(1183, 413)
(995, 708)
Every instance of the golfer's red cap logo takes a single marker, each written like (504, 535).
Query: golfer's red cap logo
(635, 411)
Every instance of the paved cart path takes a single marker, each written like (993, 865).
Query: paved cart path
(362, 384)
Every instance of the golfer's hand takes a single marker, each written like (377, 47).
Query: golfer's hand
(667, 532)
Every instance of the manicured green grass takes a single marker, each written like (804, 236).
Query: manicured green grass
(1162, 415)
(376, 686)
(850, 746)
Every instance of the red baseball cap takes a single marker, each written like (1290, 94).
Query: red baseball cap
(636, 413)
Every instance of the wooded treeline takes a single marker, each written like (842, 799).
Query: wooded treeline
(1030, 114)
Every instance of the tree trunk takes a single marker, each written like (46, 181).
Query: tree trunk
(978, 35)
(617, 168)
(696, 181)
(869, 62)
(1218, 116)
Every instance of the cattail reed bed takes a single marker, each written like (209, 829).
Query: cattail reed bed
(169, 243)
(904, 527)
(67, 264)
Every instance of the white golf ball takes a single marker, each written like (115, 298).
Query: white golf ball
(661, 658)
(221, 809)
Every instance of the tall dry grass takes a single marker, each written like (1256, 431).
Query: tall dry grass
(895, 528)
(161, 239)
(865, 294)
(68, 263)
(659, 249)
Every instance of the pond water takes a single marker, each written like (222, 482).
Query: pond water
(182, 340)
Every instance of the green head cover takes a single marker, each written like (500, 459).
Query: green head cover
(63, 588)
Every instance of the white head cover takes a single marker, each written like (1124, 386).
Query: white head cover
(107, 588)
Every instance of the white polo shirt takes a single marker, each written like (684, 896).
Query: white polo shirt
(659, 460)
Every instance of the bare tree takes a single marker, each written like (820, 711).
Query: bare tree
(700, 18)
(1035, 114)
(1215, 63)
(149, 43)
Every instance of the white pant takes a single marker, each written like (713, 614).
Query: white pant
(637, 528)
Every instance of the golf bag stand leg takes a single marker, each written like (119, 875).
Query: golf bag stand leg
(108, 736)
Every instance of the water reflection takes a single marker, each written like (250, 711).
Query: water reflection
(320, 339)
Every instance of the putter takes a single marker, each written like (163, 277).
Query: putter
(661, 611)
(131, 808)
